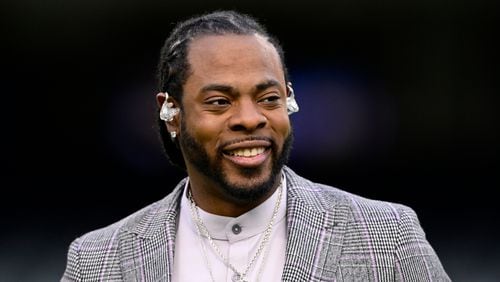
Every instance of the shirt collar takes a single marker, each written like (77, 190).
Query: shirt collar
(251, 223)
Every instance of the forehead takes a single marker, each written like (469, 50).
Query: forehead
(218, 56)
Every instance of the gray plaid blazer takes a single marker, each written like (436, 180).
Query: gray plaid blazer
(332, 236)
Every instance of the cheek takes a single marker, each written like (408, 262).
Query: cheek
(282, 126)
(205, 130)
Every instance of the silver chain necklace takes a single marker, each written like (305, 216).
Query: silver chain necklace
(203, 230)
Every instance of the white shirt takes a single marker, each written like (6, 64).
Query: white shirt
(239, 245)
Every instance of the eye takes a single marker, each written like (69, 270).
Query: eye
(218, 102)
(271, 99)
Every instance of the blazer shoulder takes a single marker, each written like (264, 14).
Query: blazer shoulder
(363, 207)
(326, 197)
(391, 232)
(96, 253)
(141, 222)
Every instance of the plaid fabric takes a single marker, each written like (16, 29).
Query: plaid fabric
(332, 236)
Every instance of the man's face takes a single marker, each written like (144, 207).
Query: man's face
(235, 130)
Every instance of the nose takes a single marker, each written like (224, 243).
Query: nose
(247, 117)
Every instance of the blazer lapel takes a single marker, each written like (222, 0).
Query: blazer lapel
(147, 247)
(316, 226)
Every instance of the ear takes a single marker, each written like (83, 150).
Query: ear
(161, 99)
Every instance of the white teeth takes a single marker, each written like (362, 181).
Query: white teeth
(247, 152)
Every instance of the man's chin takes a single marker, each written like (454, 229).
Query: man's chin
(248, 185)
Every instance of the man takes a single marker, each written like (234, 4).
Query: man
(241, 214)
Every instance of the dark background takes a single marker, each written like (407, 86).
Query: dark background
(397, 103)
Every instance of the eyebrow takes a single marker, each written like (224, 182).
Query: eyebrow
(219, 88)
(231, 90)
(266, 84)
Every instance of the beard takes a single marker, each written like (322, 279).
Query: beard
(253, 190)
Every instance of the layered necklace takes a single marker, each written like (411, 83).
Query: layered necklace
(239, 276)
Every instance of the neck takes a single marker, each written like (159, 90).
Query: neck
(209, 196)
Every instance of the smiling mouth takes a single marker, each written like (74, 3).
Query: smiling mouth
(246, 152)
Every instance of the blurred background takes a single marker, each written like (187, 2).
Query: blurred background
(398, 102)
